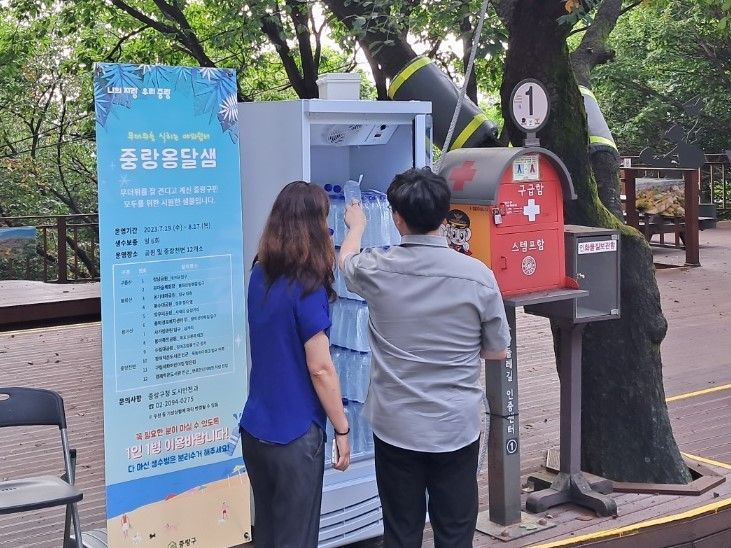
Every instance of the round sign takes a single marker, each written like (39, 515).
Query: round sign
(511, 446)
(529, 265)
(529, 105)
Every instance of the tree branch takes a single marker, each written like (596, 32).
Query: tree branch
(69, 200)
(143, 18)
(271, 25)
(184, 32)
(300, 18)
(631, 6)
(467, 33)
(378, 75)
(118, 46)
(394, 55)
(593, 49)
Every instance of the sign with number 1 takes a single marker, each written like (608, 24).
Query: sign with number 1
(529, 105)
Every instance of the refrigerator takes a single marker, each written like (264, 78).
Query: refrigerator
(329, 142)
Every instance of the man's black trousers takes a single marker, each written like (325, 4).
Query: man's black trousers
(450, 481)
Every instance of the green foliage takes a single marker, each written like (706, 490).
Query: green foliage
(578, 11)
(45, 119)
(668, 52)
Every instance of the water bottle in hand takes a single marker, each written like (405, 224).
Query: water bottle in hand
(233, 439)
(351, 189)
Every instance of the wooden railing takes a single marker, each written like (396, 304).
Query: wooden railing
(66, 247)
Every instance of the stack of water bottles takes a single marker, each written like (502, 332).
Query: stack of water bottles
(354, 370)
(361, 437)
(349, 332)
(342, 290)
(380, 230)
(349, 324)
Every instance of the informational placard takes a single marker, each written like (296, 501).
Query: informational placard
(173, 329)
(527, 168)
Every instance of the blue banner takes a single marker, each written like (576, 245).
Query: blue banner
(173, 328)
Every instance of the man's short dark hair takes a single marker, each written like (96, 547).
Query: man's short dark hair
(421, 197)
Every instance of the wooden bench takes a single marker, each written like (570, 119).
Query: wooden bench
(651, 225)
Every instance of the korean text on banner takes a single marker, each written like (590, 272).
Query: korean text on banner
(173, 332)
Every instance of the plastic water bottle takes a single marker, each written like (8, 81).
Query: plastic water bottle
(342, 323)
(386, 222)
(395, 234)
(334, 356)
(233, 439)
(332, 219)
(339, 206)
(349, 415)
(350, 379)
(330, 434)
(363, 318)
(352, 324)
(346, 379)
(365, 374)
(336, 329)
(342, 326)
(365, 240)
(357, 376)
(368, 437)
(336, 282)
(351, 190)
(374, 221)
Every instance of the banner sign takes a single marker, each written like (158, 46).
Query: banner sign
(17, 242)
(173, 328)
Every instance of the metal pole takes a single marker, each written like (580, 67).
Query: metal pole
(692, 254)
(570, 377)
(62, 257)
(503, 457)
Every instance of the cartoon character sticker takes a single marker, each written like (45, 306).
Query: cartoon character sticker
(457, 230)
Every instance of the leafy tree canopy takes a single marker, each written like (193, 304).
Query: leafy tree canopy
(668, 52)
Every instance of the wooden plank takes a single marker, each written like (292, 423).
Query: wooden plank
(28, 302)
(711, 531)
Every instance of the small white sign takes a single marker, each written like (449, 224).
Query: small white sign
(603, 246)
(526, 168)
(529, 105)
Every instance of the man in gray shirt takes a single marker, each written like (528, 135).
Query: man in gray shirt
(433, 313)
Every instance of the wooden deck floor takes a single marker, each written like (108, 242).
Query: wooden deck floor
(696, 356)
(24, 303)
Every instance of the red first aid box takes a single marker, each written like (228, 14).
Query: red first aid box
(507, 211)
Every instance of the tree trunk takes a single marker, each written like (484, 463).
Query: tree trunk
(388, 47)
(626, 433)
(605, 166)
(593, 51)
(625, 425)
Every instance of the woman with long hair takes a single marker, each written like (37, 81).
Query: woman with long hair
(293, 384)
